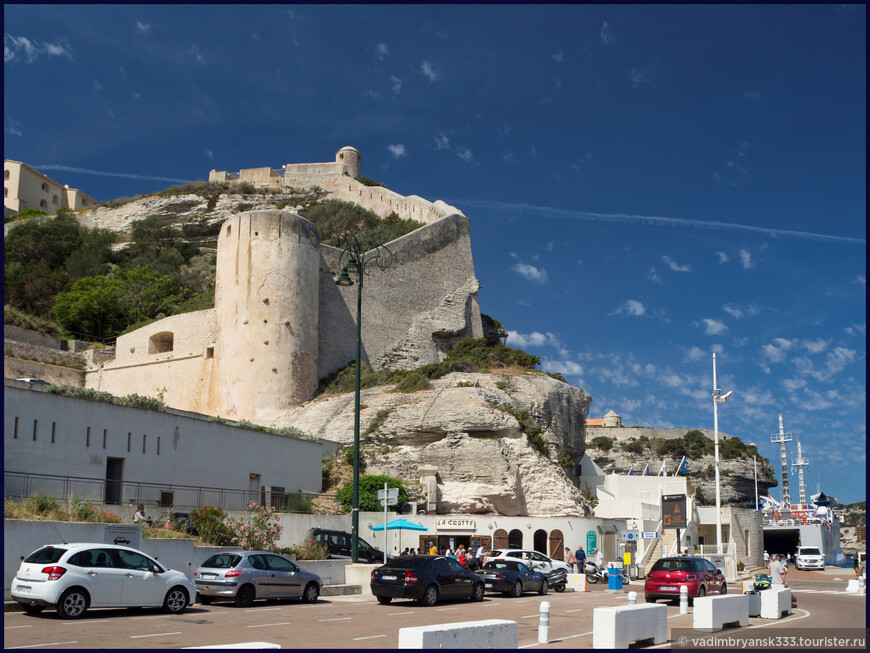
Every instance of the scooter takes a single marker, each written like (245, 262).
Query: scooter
(594, 573)
(557, 579)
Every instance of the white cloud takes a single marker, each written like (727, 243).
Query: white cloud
(607, 35)
(775, 353)
(429, 71)
(723, 257)
(18, 46)
(639, 77)
(143, 28)
(397, 150)
(395, 84)
(815, 346)
(534, 339)
(694, 354)
(97, 86)
(739, 311)
(630, 307)
(564, 367)
(209, 154)
(746, 259)
(531, 273)
(558, 58)
(860, 280)
(653, 275)
(676, 267)
(465, 154)
(510, 157)
(11, 127)
(714, 327)
(794, 384)
(442, 142)
(855, 329)
(194, 52)
(382, 50)
(753, 94)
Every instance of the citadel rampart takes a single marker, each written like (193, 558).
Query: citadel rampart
(280, 322)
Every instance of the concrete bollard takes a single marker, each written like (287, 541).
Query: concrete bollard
(632, 598)
(684, 600)
(544, 624)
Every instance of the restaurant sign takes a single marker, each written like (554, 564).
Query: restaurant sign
(453, 524)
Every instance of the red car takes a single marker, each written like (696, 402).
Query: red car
(668, 575)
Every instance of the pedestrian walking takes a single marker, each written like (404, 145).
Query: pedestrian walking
(599, 558)
(569, 557)
(580, 559)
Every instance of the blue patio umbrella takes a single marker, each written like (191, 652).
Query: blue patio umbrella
(399, 525)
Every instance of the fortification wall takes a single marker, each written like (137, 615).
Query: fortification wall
(431, 267)
(181, 375)
(625, 433)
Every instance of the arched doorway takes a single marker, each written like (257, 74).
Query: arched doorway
(539, 541)
(557, 545)
(499, 539)
(515, 539)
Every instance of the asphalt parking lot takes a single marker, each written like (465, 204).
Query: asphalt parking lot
(358, 622)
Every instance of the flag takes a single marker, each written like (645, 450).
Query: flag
(681, 467)
(631, 471)
(646, 470)
(683, 472)
(663, 471)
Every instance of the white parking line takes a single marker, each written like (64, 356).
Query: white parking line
(530, 616)
(356, 639)
(390, 614)
(574, 610)
(153, 635)
(489, 604)
(283, 623)
(443, 609)
(157, 616)
(263, 609)
(338, 619)
(37, 645)
(76, 623)
(10, 627)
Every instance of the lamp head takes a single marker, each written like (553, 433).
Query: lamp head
(344, 279)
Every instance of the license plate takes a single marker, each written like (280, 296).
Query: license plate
(389, 578)
(667, 588)
(209, 576)
(489, 584)
(24, 589)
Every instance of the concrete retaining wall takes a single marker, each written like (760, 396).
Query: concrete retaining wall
(491, 633)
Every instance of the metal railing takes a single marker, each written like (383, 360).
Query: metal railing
(21, 485)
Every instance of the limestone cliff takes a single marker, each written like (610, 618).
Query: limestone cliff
(484, 462)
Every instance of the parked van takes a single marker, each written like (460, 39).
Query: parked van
(809, 557)
(338, 543)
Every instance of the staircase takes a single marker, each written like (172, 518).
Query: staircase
(664, 546)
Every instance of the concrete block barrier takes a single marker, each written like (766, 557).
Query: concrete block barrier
(854, 586)
(491, 633)
(618, 626)
(713, 613)
(775, 602)
(576, 582)
(754, 604)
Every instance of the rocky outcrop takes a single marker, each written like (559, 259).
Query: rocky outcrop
(464, 428)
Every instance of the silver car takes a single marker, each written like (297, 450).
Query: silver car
(247, 575)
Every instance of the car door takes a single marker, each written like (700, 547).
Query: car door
(540, 562)
(103, 575)
(142, 586)
(529, 579)
(284, 578)
(463, 580)
(260, 576)
(446, 577)
(716, 580)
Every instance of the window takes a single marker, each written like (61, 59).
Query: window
(257, 562)
(15, 431)
(209, 352)
(277, 563)
(5, 174)
(88, 438)
(34, 430)
(129, 440)
(43, 204)
(53, 425)
(54, 200)
(158, 445)
(104, 438)
(144, 440)
(44, 187)
(132, 560)
(161, 343)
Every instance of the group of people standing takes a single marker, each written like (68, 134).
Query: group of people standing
(577, 559)
(466, 557)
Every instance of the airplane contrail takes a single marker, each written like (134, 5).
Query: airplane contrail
(125, 175)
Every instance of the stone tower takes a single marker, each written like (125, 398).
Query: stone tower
(351, 161)
(266, 313)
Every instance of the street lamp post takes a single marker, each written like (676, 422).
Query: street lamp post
(718, 398)
(352, 258)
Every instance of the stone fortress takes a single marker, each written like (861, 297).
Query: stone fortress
(280, 323)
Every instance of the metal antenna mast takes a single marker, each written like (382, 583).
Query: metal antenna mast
(782, 438)
(800, 462)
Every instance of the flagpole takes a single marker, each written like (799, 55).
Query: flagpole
(755, 464)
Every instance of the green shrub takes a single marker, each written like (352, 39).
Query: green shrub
(566, 461)
(211, 524)
(314, 551)
(589, 495)
(368, 182)
(601, 442)
(26, 213)
(501, 385)
(368, 493)
(633, 446)
(19, 318)
(412, 383)
(377, 421)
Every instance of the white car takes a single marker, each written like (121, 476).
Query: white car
(809, 557)
(535, 560)
(74, 577)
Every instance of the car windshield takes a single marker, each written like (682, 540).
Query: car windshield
(408, 562)
(45, 555)
(502, 564)
(672, 565)
(222, 561)
(810, 551)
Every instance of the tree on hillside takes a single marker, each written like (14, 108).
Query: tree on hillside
(368, 493)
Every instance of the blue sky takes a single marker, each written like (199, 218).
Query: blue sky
(646, 185)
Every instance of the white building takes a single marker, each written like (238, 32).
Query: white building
(27, 188)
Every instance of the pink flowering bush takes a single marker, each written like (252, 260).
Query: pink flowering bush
(258, 531)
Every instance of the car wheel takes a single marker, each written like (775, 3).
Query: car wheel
(478, 592)
(517, 589)
(384, 600)
(702, 591)
(649, 599)
(32, 609)
(430, 596)
(724, 587)
(73, 603)
(176, 601)
(206, 600)
(311, 593)
(544, 588)
(245, 596)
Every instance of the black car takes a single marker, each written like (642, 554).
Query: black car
(512, 578)
(425, 578)
(338, 544)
